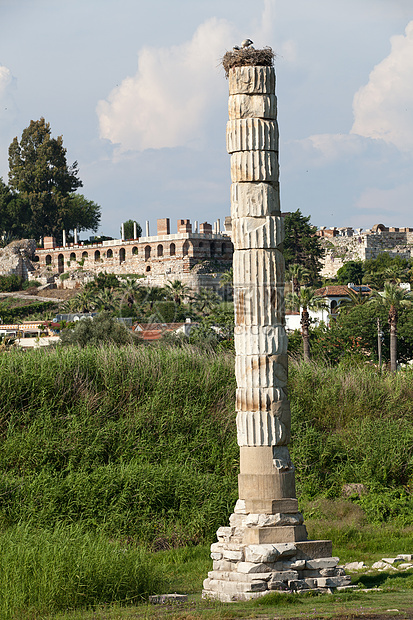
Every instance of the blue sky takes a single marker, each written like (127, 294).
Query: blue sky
(137, 91)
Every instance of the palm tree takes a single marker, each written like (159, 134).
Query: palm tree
(392, 298)
(227, 278)
(206, 301)
(84, 301)
(106, 300)
(130, 288)
(306, 300)
(356, 298)
(152, 294)
(297, 274)
(396, 274)
(177, 291)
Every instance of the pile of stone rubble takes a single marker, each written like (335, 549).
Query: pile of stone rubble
(402, 562)
(250, 571)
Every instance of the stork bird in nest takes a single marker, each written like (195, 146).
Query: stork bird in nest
(244, 45)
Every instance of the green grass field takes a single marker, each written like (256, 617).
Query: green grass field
(119, 464)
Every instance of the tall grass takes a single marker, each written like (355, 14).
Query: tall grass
(354, 425)
(141, 441)
(136, 441)
(43, 571)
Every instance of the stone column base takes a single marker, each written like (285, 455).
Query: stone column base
(244, 569)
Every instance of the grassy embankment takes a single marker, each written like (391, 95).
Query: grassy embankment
(106, 450)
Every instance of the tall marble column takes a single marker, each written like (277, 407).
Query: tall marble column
(266, 481)
(265, 546)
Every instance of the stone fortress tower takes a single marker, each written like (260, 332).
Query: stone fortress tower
(265, 546)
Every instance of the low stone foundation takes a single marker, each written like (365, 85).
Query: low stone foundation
(244, 571)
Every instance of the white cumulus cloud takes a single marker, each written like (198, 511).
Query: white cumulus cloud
(166, 103)
(383, 108)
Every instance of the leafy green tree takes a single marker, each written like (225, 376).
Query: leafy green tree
(301, 245)
(14, 216)
(103, 280)
(385, 268)
(82, 214)
(40, 177)
(102, 329)
(128, 229)
(353, 272)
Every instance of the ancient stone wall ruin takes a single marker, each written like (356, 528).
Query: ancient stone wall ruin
(363, 246)
(192, 257)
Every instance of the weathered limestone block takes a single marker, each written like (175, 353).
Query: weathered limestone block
(259, 267)
(224, 533)
(291, 565)
(223, 597)
(256, 371)
(319, 563)
(252, 106)
(278, 585)
(285, 575)
(251, 80)
(237, 520)
(266, 460)
(261, 428)
(239, 507)
(310, 549)
(261, 553)
(333, 582)
(223, 565)
(267, 486)
(248, 166)
(285, 533)
(264, 232)
(236, 556)
(252, 134)
(260, 340)
(234, 587)
(299, 584)
(328, 572)
(252, 567)
(270, 520)
(239, 576)
(272, 506)
(255, 200)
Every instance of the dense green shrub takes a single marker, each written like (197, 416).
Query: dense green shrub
(96, 331)
(10, 283)
(26, 311)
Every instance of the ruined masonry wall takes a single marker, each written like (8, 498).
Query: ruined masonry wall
(366, 245)
(158, 258)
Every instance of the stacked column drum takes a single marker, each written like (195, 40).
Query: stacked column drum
(266, 481)
(265, 546)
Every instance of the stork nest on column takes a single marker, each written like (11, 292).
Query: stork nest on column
(248, 56)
